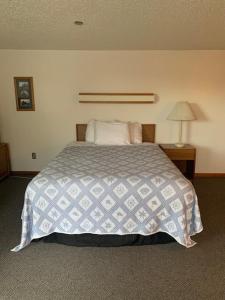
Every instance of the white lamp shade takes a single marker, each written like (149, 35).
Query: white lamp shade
(181, 112)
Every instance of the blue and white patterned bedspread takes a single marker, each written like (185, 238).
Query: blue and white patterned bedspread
(132, 189)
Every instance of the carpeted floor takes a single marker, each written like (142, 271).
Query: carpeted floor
(51, 271)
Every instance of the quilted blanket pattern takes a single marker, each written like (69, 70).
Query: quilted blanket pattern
(132, 189)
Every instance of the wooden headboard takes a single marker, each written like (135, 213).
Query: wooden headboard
(148, 132)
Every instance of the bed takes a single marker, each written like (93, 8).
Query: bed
(92, 195)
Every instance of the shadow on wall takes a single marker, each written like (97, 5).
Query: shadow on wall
(200, 117)
(199, 113)
(201, 154)
(156, 98)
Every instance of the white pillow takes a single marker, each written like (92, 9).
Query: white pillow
(90, 132)
(113, 133)
(135, 130)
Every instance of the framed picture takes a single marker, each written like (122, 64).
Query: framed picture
(24, 93)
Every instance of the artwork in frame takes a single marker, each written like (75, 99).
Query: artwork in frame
(24, 93)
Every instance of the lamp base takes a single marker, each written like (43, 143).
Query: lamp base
(179, 145)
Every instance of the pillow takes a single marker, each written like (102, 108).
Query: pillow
(135, 130)
(90, 132)
(113, 133)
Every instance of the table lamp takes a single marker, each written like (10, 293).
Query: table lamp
(181, 112)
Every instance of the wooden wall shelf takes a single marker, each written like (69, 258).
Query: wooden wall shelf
(115, 98)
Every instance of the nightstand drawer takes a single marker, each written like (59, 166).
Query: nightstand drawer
(180, 154)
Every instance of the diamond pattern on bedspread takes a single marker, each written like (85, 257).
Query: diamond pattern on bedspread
(132, 189)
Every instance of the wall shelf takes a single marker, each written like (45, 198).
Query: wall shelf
(115, 98)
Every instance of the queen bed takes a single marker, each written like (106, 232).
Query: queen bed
(110, 195)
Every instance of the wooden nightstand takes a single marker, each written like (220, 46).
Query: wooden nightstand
(183, 158)
(4, 161)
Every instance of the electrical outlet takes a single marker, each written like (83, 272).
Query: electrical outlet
(34, 155)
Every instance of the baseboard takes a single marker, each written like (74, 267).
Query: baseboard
(24, 173)
(209, 174)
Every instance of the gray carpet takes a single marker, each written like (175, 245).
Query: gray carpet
(51, 271)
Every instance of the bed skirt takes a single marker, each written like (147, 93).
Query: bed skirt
(109, 240)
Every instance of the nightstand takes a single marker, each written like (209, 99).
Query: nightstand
(183, 158)
(4, 161)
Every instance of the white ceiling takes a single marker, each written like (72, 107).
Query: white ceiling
(112, 24)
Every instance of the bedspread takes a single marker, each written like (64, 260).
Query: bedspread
(131, 189)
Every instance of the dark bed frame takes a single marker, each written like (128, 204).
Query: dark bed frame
(110, 240)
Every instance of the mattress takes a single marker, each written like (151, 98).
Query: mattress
(116, 190)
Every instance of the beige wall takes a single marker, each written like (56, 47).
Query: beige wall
(195, 76)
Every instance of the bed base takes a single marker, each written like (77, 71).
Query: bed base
(109, 240)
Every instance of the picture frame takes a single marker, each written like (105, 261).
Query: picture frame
(24, 93)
